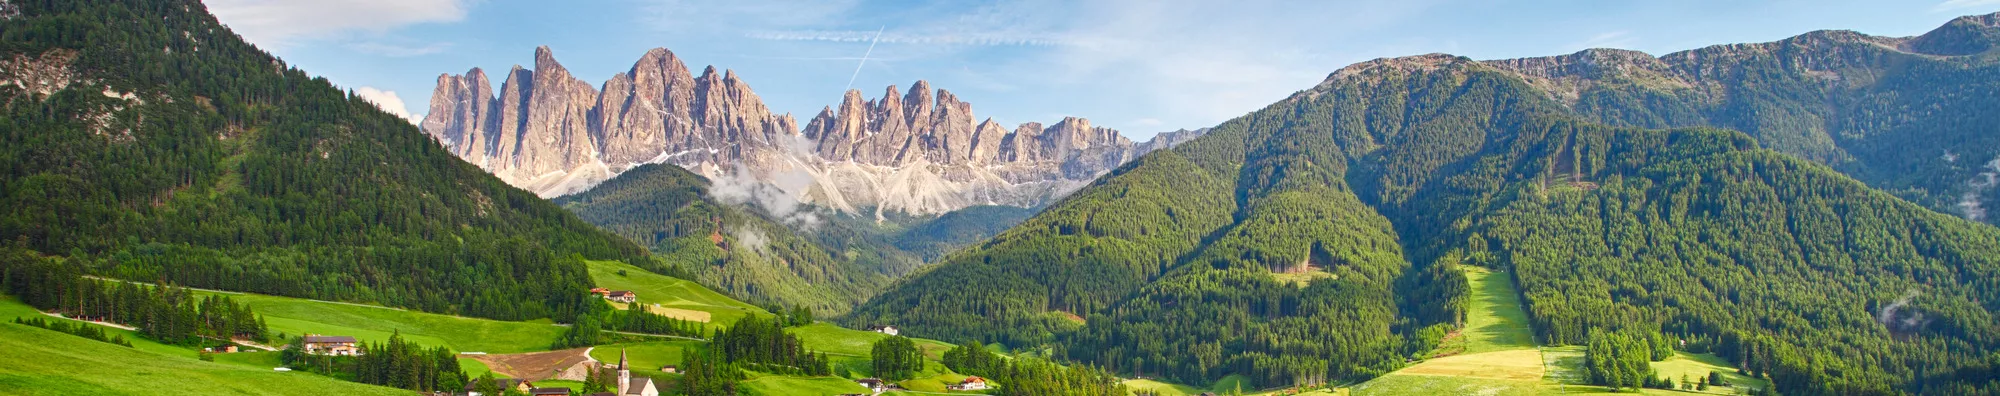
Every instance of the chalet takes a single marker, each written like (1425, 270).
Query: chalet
(549, 392)
(670, 369)
(600, 292)
(515, 384)
(331, 345)
(873, 385)
(884, 329)
(970, 384)
(624, 296)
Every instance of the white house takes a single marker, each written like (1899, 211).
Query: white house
(884, 329)
(970, 384)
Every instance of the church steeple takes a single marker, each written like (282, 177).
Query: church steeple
(624, 375)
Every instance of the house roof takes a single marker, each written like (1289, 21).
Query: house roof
(615, 293)
(869, 381)
(549, 391)
(969, 380)
(505, 383)
(329, 339)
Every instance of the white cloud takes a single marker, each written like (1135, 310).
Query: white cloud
(387, 100)
(1953, 5)
(1199, 61)
(283, 22)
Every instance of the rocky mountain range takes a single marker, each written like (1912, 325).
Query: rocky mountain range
(920, 151)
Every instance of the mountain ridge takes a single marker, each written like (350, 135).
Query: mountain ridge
(918, 153)
(1382, 178)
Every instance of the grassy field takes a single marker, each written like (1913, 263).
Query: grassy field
(1162, 388)
(789, 385)
(1494, 320)
(1494, 355)
(645, 356)
(472, 367)
(1224, 386)
(259, 359)
(841, 341)
(11, 308)
(370, 323)
(42, 362)
(670, 292)
(1695, 366)
(1425, 385)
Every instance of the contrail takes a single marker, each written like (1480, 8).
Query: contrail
(864, 56)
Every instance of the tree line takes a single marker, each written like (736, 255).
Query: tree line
(395, 363)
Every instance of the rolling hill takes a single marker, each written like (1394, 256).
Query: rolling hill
(1311, 241)
(738, 249)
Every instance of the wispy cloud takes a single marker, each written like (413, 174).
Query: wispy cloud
(1191, 59)
(1611, 39)
(1956, 5)
(962, 38)
(279, 23)
(396, 50)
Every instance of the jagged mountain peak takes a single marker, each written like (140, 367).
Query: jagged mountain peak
(918, 150)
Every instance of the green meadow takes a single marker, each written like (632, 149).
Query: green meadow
(841, 341)
(34, 361)
(776, 385)
(370, 323)
(670, 292)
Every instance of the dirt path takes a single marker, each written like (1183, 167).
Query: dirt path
(105, 324)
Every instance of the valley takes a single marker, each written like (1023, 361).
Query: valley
(186, 211)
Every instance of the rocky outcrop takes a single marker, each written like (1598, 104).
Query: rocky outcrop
(552, 133)
(920, 151)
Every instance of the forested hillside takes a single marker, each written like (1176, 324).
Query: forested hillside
(1311, 241)
(1911, 116)
(737, 248)
(147, 141)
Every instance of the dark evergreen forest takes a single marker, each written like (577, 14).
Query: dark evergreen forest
(225, 168)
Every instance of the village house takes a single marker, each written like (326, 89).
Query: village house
(600, 292)
(670, 369)
(970, 384)
(624, 296)
(884, 329)
(549, 392)
(331, 345)
(516, 384)
(873, 384)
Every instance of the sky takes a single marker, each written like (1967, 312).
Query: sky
(1139, 66)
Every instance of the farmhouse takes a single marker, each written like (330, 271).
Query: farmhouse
(600, 292)
(970, 384)
(549, 392)
(624, 296)
(884, 329)
(873, 385)
(516, 384)
(331, 345)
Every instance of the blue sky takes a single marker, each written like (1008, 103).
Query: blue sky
(1140, 66)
